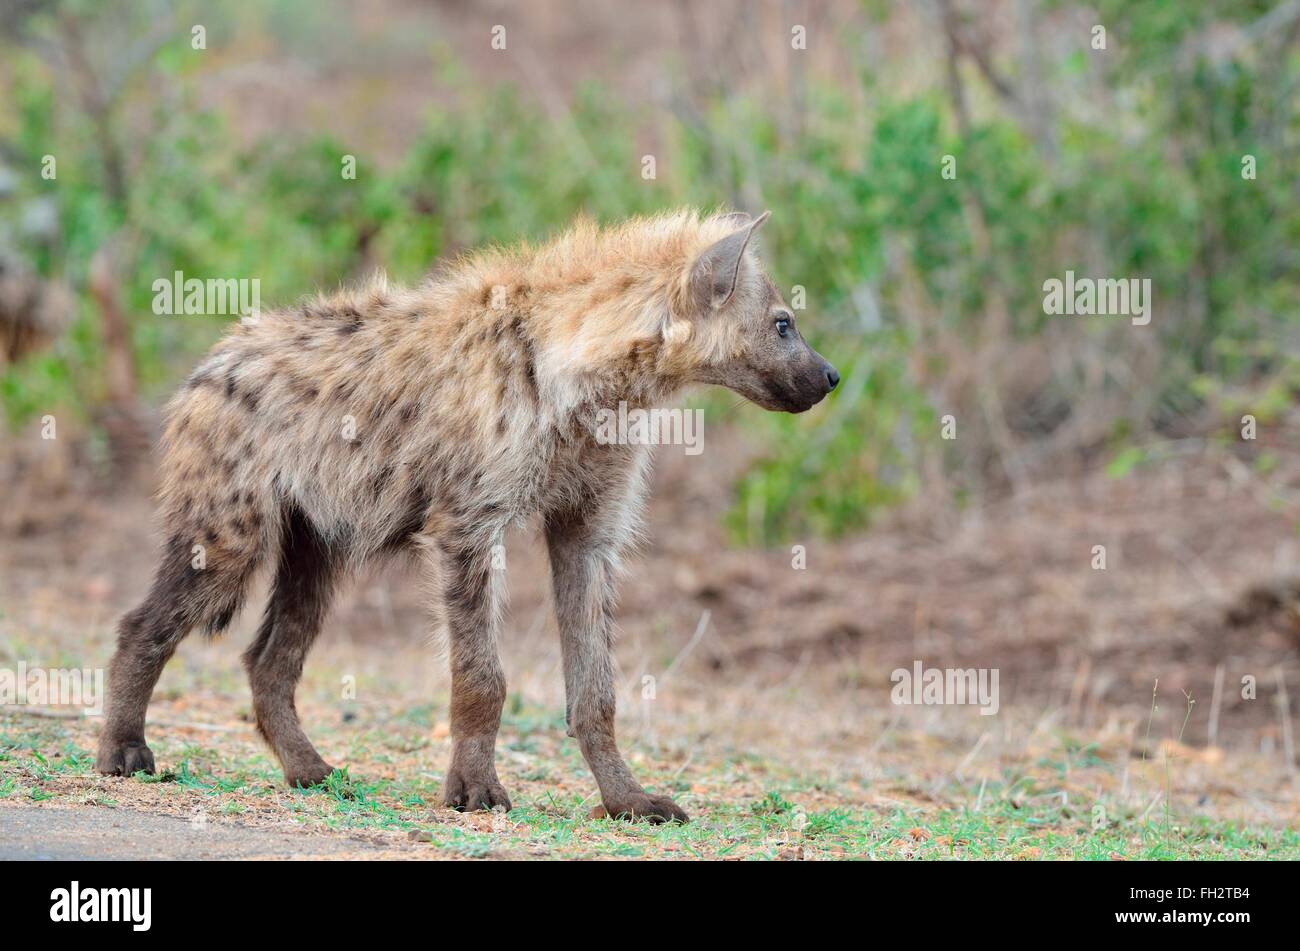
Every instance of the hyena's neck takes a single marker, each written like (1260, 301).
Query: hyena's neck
(586, 320)
(611, 354)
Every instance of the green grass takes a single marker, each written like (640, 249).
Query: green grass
(1019, 817)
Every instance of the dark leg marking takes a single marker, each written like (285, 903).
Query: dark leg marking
(300, 598)
(182, 597)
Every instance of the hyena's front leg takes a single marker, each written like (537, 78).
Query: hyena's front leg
(478, 684)
(582, 571)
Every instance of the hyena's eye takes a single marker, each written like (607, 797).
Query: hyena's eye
(783, 326)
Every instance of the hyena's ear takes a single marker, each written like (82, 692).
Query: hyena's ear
(715, 272)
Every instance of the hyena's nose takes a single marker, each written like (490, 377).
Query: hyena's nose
(832, 377)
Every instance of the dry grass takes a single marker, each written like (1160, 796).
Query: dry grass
(773, 726)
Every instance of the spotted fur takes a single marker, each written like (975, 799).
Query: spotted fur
(381, 420)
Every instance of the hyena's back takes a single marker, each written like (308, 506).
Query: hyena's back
(358, 414)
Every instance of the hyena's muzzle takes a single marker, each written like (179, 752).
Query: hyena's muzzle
(807, 379)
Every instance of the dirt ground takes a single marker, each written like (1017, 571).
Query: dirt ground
(770, 716)
(33, 833)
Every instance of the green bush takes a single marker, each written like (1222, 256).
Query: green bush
(893, 259)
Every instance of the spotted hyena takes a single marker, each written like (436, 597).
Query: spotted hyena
(428, 420)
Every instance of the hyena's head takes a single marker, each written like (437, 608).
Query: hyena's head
(742, 334)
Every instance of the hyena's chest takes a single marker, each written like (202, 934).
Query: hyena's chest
(561, 470)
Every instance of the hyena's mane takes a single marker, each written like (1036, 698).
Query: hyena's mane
(609, 305)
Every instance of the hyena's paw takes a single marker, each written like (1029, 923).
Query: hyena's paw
(303, 775)
(123, 759)
(470, 793)
(639, 805)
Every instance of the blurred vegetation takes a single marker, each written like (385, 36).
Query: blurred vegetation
(926, 292)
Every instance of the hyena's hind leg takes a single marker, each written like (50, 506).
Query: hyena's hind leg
(191, 588)
(300, 598)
